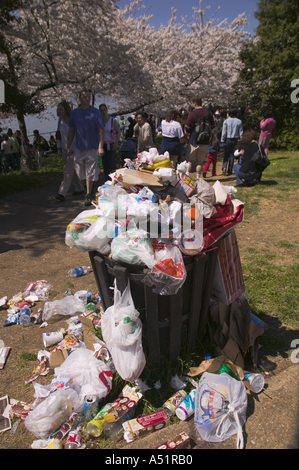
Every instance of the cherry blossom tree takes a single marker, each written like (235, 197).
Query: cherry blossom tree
(58, 46)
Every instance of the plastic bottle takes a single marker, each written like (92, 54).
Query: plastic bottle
(24, 317)
(94, 427)
(77, 272)
(112, 429)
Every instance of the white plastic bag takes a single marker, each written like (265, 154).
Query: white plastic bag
(92, 374)
(52, 412)
(122, 333)
(74, 231)
(220, 408)
(99, 234)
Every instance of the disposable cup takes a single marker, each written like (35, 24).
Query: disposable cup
(82, 295)
(52, 338)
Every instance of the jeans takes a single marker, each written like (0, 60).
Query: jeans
(240, 176)
(230, 145)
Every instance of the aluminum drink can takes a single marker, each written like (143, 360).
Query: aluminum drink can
(91, 406)
(173, 402)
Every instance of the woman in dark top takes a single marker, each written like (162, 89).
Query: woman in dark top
(246, 170)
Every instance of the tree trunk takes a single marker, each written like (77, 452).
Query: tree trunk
(26, 160)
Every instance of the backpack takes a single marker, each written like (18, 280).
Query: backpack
(261, 159)
(202, 129)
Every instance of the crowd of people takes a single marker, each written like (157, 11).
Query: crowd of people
(87, 137)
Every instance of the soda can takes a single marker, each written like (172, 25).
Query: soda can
(173, 402)
(91, 407)
(187, 407)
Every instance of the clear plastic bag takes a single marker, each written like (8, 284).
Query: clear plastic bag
(168, 275)
(52, 412)
(220, 408)
(68, 305)
(122, 333)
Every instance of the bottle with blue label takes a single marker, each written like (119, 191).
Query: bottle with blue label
(24, 317)
(77, 272)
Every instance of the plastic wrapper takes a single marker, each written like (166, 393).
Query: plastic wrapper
(74, 231)
(168, 275)
(38, 288)
(122, 333)
(220, 408)
(133, 247)
(51, 413)
(69, 305)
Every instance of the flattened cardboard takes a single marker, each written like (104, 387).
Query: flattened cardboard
(142, 178)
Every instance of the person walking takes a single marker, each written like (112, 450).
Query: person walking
(196, 153)
(246, 170)
(69, 175)
(172, 136)
(267, 126)
(232, 131)
(87, 125)
(112, 137)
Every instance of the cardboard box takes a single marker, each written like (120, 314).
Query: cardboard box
(138, 427)
(186, 184)
(182, 441)
(123, 404)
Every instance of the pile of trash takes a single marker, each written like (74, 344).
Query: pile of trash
(154, 219)
(152, 216)
(73, 407)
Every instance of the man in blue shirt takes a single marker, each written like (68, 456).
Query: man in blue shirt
(87, 125)
(232, 131)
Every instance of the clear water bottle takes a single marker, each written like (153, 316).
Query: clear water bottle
(77, 272)
(112, 429)
(24, 317)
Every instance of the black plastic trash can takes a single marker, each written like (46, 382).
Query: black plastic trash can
(165, 318)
